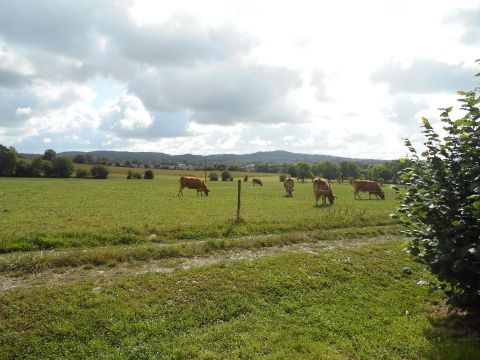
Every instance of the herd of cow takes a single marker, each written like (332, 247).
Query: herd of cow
(321, 188)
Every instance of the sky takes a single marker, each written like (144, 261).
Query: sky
(349, 78)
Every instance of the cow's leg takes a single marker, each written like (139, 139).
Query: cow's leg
(180, 192)
(355, 194)
(369, 196)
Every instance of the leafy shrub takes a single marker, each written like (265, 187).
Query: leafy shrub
(23, 169)
(283, 177)
(441, 208)
(231, 178)
(63, 167)
(245, 179)
(132, 175)
(47, 168)
(213, 176)
(148, 174)
(226, 175)
(8, 161)
(99, 172)
(81, 173)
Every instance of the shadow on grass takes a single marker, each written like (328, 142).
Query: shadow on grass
(453, 334)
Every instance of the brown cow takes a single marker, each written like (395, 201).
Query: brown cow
(369, 186)
(257, 182)
(192, 183)
(321, 188)
(289, 186)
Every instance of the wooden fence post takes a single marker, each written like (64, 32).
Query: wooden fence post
(238, 200)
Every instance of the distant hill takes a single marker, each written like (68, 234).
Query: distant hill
(278, 156)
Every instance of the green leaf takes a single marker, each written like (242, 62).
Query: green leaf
(426, 123)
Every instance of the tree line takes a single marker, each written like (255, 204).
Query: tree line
(48, 165)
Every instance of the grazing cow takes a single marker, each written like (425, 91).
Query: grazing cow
(193, 183)
(321, 188)
(289, 186)
(257, 182)
(369, 186)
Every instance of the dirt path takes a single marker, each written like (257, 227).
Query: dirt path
(59, 277)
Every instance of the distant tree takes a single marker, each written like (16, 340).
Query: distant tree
(62, 167)
(81, 173)
(102, 160)
(49, 155)
(213, 176)
(8, 161)
(304, 171)
(99, 172)
(88, 159)
(348, 169)
(79, 159)
(146, 166)
(149, 174)
(37, 167)
(226, 175)
(128, 163)
(328, 169)
(245, 179)
(47, 168)
(232, 168)
(136, 162)
(118, 164)
(23, 169)
(283, 177)
(377, 171)
(292, 171)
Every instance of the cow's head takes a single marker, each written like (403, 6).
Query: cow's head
(382, 195)
(206, 191)
(331, 197)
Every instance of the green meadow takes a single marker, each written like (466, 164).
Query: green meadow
(118, 268)
(60, 213)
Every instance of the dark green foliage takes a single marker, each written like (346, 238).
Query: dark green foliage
(226, 175)
(213, 176)
(37, 167)
(79, 159)
(304, 171)
(62, 167)
(8, 161)
(148, 174)
(132, 175)
(99, 172)
(23, 169)
(441, 208)
(245, 179)
(81, 173)
(348, 169)
(327, 169)
(283, 177)
(47, 168)
(49, 155)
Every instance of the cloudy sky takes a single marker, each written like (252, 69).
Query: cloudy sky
(349, 78)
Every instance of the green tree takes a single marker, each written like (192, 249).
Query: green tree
(441, 208)
(100, 172)
(348, 169)
(63, 167)
(8, 161)
(292, 171)
(149, 174)
(49, 155)
(328, 169)
(213, 176)
(304, 171)
(226, 175)
(79, 159)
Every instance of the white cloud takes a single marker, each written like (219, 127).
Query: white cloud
(234, 76)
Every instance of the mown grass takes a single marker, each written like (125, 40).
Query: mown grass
(39, 214)
(343, 304)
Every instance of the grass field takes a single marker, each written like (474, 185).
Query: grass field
(58, 213)
(122, 268)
